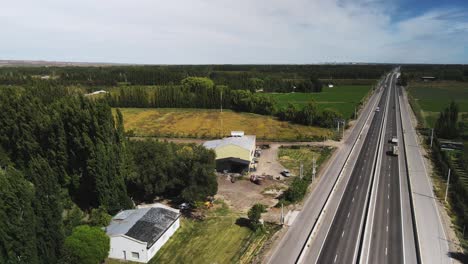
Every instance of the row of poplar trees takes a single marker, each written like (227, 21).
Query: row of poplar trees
(69, 149)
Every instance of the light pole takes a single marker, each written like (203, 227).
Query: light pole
(432, 136)
(448, 183)
(314, 170)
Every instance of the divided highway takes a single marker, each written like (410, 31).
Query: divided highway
(344, 235)
(365, 213)
(291, 246)
(386, 223)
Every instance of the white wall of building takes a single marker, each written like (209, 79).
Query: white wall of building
(121, 244)
(123, 247)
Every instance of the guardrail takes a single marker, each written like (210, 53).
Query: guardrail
(413, 216)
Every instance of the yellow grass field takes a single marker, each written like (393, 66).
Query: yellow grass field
(203, 123)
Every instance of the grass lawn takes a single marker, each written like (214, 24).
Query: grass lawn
(205, 123)
(341, 98)
(435, 96)
(217, 239)
(291, 157)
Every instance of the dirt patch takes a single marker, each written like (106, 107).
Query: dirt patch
(243, 194)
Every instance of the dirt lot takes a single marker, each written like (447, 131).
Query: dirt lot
(242, 194)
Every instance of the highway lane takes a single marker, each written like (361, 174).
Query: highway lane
(431, 235)
(290, 247)
(386, 228)
(344, 234)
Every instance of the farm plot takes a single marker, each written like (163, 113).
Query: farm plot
(341, 98)
(433, 97)
(204, 123)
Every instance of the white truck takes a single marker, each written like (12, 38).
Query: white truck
(394, 140)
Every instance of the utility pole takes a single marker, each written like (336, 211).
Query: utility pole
(448, 183)
(343, 128)
(338, 129)
(221, 114)
(314, 170)
(301, 170)
(432, 136)
(282, 215)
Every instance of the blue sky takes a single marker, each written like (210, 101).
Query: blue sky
(241, 31)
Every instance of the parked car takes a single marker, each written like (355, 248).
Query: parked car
(286, 173)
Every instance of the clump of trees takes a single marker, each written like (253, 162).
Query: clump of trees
(86, 245)
(185, 172)
(309, 115)
(446, 125)
(255, 214)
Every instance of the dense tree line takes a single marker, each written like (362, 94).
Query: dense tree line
(451, 72)
(64, 155)
(250, 77)
(193, 92)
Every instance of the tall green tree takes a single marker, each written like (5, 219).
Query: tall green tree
(17, 220)
(48, 210)
(86, 245)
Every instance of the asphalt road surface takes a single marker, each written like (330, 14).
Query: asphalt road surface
(386, 228)
(343, 238)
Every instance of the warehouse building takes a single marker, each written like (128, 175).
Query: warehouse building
(138, 234)
(234, 153)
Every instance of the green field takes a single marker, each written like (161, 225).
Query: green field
(341, 98)
(205, 123)
(292, 157)
(433, 97)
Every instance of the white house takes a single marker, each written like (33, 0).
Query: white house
(138, 234)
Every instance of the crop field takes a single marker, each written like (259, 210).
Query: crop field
(433, 97)
(204, 123)
(341, 98)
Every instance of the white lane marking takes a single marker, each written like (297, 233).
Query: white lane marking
(348, 214)
(388, 196)
(335, 258)
(357, 187)
(352, 200)
(342, 234)
(387, 210)
(387, 228)
(385, 251)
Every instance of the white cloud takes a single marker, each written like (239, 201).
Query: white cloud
(220, 31)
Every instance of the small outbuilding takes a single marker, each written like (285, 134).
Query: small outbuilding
(234, 153)
(428, 78)
(138, 234)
